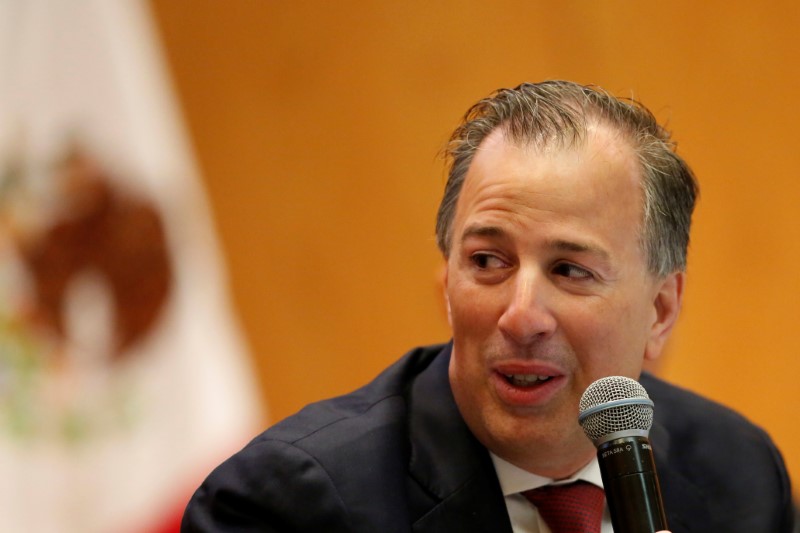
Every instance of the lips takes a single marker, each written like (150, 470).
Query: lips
(526, 385)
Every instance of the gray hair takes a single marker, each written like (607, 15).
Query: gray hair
(557, 113)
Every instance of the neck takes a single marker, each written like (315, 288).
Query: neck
(555, 466)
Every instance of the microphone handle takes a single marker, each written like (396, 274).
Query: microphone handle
(631, 485)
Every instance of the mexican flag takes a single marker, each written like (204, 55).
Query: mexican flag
(123, 377)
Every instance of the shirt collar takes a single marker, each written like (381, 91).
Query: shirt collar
(514, 479)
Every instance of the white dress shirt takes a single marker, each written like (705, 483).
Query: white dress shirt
(524, 516)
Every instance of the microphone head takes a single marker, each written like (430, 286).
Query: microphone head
(614, 407)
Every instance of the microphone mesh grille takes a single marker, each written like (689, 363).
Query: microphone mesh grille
(621, 417)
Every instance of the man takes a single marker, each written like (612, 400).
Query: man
(564, 224)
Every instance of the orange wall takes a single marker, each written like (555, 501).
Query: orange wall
(317, 126)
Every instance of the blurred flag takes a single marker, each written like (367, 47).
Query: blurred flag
(123, 378)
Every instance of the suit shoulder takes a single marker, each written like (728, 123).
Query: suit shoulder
(310, 456)
(687, 413)
(378, 403)
(264, 488)
(726, 457)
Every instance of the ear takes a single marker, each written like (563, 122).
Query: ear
(667, 306)
(445, 294)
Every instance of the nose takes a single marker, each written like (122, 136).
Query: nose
(528, 316)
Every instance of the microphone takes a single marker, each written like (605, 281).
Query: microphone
(616, 414)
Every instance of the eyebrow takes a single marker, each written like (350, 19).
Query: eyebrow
(579, 247)
(556, 244)
(476, 230)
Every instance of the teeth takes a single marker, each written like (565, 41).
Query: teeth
(525, 379)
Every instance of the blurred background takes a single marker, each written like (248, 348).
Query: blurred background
(311, 135)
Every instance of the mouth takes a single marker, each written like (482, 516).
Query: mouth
(518, 386)
(526, 380)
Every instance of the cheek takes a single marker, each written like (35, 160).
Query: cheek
(612, 338)
(474, 311)
(588, 330)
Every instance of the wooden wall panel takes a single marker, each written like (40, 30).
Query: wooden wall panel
(317, 127)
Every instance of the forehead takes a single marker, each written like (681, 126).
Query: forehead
(594, 185)
(602, 162)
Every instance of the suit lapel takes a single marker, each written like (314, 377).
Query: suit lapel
(453, 485)
(472, 509)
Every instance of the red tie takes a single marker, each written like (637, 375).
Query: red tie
(573, 508)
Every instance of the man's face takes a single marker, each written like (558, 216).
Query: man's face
(548, 290)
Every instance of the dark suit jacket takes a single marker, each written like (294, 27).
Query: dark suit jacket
(396, 456)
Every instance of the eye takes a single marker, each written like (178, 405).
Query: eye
(486, 261)
(568, 270)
